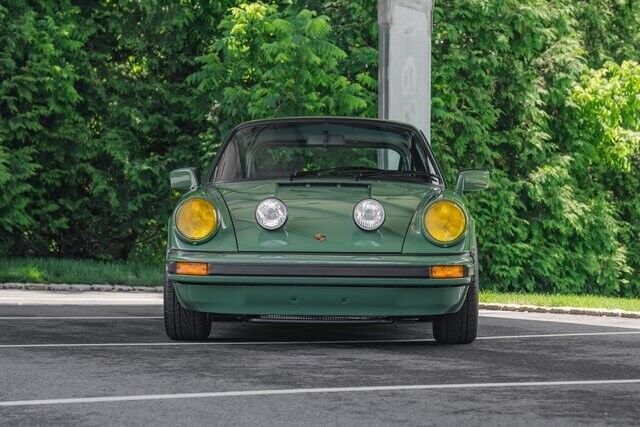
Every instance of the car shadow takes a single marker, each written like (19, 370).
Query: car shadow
(320, 332)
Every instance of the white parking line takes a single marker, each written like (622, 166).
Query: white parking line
(247, 343)
(140, 397)
(573, 334)
(554, 318)
(79, 317)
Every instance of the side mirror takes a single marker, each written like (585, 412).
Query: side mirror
(185, 178)
(472, 180)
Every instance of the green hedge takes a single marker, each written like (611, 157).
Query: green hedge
(99, 100)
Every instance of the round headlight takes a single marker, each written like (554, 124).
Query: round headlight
(444, 221)
(369, 215)
(271, 214)
(196, 219)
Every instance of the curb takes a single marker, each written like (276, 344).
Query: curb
(561, 310)
(78, 288)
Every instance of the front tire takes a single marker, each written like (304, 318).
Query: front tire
(461, 327)
(182, 324)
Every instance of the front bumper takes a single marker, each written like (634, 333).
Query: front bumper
(320, 284)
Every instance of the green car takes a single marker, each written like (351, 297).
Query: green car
(323, 219)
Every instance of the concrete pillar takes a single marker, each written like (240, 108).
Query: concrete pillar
(404, 73)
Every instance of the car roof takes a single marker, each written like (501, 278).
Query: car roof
(330, 119)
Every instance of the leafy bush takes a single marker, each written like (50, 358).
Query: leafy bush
(605, 137)
(505, 98)
(280, 62)
(99, 100)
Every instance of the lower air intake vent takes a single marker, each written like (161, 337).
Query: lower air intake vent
(304, 318)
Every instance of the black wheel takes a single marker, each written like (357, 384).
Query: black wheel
(460, 327)
(182, 324)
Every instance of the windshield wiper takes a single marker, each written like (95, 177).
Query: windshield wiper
(410, 174)
(333, 171)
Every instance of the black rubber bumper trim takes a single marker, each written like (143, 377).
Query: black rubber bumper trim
(235, 285)
(328, 270)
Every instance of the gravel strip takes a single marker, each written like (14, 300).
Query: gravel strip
(75, 288)
(561, 310)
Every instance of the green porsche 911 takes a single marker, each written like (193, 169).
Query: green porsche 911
(323, 219)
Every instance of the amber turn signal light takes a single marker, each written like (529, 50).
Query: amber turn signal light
(192, 268)
(447, 271)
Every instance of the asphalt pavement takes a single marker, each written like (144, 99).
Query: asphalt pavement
(103, 359)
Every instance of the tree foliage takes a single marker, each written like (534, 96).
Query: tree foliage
(100, 99)
(507, 98)
(278, 61)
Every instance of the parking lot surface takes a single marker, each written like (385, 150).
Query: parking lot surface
(103, 359)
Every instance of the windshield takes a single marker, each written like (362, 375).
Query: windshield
(324, 149)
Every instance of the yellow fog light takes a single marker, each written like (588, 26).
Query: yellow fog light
(196, 219)
(192, 268)
(444, 221)
(447, 271)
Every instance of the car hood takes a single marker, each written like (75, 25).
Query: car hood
(321, 215)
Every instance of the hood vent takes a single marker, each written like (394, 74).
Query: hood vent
(324, 184)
